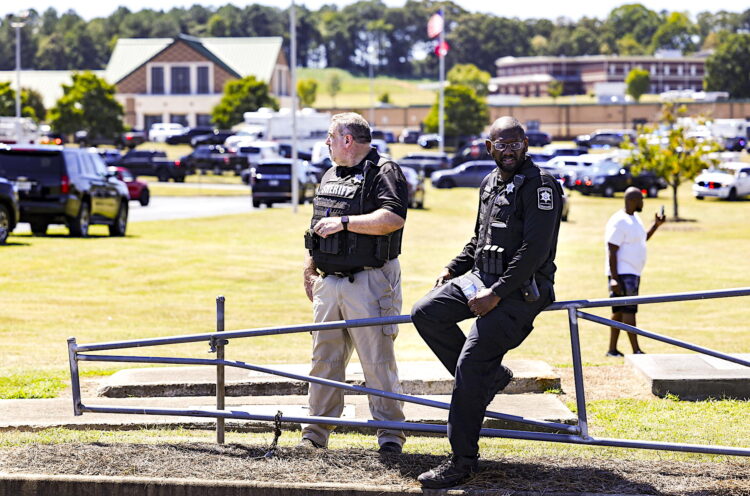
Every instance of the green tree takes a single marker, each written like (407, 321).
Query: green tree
(728, 67)
(628, 45)
(307, 91)
(471, 76)
(465, 113)
(675, 33)
(385, 97)
(217, 26)
(555, 89)
(637, 82)
(240, 96)
(678, 158)
(334, 86)
(87, 104)
(633, 20)
(31, 102)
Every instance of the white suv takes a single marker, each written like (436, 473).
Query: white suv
(729, 181)
(160, 131)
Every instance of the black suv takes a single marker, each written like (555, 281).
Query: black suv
(271, 181)
(68, 186)
(8, 209)
(152, 163)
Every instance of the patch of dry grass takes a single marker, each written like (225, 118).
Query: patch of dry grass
(355, 466)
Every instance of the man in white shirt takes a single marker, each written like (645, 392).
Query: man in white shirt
(626, 256)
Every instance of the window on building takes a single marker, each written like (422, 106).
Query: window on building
(679, 70)
(148, 120)
(180, 84)
(612, 69)
(203, 84)
(157, 80)
(692, 70)
(653, 69)
(666, 69)
(179, 119)
(203, 119)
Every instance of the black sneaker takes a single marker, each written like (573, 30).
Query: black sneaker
(451, 472)
(614, 354)
(390, 448)
(502, 378)
(308, 444)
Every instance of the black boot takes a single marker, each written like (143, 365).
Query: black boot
(451, 472)
(502, 378)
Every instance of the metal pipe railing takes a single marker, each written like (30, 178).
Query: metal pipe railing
(576, 434)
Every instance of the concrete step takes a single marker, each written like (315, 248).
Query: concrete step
(693, 376)
(58, 412)
(529, 376)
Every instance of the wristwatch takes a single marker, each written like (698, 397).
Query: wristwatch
(345, 222)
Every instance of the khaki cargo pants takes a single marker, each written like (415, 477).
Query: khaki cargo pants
(374, 293)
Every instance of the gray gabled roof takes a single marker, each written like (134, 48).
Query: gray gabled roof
(243, 56)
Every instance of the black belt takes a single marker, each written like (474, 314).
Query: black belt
(341, 274)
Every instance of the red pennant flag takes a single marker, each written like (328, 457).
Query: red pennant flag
(441, 49)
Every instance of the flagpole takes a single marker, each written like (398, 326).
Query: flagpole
(441, 112)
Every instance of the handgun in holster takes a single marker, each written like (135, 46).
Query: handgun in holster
(382, 247)
(530, 290)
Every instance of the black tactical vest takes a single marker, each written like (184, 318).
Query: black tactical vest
(346, 251)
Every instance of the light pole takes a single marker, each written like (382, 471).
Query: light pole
(18, 24)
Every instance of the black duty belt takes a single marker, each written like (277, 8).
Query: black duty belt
(349, 274)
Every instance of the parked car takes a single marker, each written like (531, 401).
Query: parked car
(138, 190)
(415, 185)
(735, 143)
(425, 162)
(474, 150)
(188, 135)
(285, 150)
(538, 138)
(729, 181)
(567, 168)
(409, 136)
(70, 186)
(213, 138)
(214, 158)
(540, 158)
(429, 141)
(605, 138)
(152, 163)
(51, 138)
(109, 155)
(256, 151)
(271, 182)
(608, 177)
(467, 174)
(160, 131)
(9, 210)
(386, 136)
(127, 139)
(564, 151)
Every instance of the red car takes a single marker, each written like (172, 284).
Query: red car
(138, 189)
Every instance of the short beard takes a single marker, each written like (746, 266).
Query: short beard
(510, 170)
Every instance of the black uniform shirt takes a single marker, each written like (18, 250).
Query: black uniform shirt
(529, 216)
(385, 186)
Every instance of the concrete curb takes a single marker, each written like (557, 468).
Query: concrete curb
(80, 485)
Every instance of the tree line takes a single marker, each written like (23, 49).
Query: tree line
(394, 39)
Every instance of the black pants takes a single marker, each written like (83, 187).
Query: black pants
(474, 360)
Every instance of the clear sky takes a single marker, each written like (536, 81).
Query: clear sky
(550, 9)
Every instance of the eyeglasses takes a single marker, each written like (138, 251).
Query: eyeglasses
(513, 145)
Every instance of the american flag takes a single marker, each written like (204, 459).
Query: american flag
(435, 24)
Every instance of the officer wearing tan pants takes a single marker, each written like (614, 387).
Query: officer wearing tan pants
(352, 272)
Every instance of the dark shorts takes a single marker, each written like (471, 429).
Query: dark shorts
(629, 285)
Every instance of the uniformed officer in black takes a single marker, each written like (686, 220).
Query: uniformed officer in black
(504, 276)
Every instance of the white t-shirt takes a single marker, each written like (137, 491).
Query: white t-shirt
(627, 232)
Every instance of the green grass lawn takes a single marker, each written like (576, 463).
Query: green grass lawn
(162, 279)
(355, 90)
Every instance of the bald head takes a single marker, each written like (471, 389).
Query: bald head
(507, 126)
(633, 200)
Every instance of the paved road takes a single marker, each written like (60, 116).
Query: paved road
(180, 207)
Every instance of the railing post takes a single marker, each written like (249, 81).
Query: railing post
(575, 345)
(220, 369)
(75, 382)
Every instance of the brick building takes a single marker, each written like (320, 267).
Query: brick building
(530, 76)
(181, 79)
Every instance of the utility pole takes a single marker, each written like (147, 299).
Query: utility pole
(18, 24)
(293, 36)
